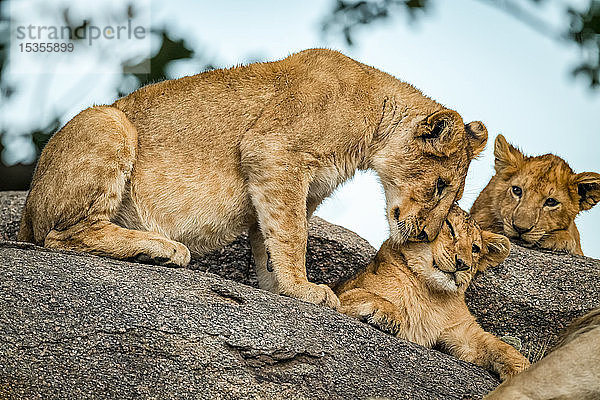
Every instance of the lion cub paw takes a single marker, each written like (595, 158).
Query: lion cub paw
(560, 244)
(384, 321)
(165, 252)
(513, 367)
(316, 294)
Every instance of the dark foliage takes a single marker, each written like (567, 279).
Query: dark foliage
(583, 30)
(348, 15)
(171, 49)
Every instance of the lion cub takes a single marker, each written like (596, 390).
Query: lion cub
(183, 167)
(416, 292)
(535, 200)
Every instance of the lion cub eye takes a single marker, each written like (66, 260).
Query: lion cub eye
(517, 191)
(440, 186)
(476, 249)
(551, 202)
(451, 229)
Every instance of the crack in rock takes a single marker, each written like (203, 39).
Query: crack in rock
(260, 358)
(85, 336)
(229, 295)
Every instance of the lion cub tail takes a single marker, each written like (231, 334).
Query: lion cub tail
(26, 228)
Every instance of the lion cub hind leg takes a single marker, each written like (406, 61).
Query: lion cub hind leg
(373, 309)
(78, 187)
(107, 239)
(81, 174)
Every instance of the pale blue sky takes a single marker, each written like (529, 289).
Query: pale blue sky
(464, 54)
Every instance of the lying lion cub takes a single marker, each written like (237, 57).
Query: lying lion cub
(183, 167)
(416, 292)
(535, 200)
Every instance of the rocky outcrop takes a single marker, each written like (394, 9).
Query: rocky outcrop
(79, 326)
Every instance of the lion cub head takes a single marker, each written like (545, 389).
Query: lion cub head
(536, 197)
(460, 250)
(422, 167)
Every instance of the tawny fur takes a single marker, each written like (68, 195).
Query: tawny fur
(416, 292)
(191, 163)
(538, 178)
(579, 326)
(571, 371)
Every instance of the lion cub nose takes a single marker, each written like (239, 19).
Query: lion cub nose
(520, 230)
(461, 265)
(423, 236)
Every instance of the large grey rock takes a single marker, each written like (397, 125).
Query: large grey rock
(79, 326)
(533, 295)
(11, 205)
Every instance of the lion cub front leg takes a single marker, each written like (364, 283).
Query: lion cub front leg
(373, 309)
(279, 194)
(469, 342)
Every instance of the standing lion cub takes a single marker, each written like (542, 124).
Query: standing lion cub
(189, 164)
(534, 200)
(416, 292)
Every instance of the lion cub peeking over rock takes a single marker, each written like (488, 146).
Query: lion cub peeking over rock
(416, 292)
(534, 200)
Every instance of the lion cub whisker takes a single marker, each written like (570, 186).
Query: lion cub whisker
(405, 230)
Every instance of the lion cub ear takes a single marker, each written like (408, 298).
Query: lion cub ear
(440, 132)
(508, 159)
(495, 249)
(478, 135)
(588, 187)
